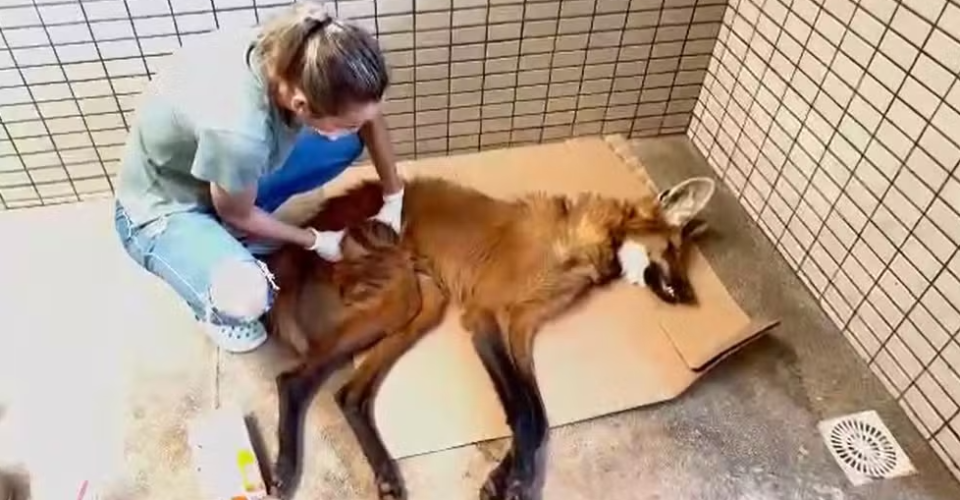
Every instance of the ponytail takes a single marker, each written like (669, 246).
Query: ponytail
(334, 63)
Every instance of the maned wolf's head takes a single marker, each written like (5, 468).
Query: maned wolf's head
(653, 250)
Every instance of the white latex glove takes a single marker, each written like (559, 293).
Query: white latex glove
(391, 210)
(327, 244)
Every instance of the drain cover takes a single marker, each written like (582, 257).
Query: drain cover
(864, 447)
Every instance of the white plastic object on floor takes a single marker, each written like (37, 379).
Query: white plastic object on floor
(224, 458)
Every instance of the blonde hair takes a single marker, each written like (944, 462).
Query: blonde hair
(334, 63)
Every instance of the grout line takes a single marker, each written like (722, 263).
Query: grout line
(516, 81)
(416, 110)
(583, 66)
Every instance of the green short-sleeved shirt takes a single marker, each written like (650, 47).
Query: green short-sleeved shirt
(205, 118)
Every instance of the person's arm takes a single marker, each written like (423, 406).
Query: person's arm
(239, 211)
(231, 163)
(376, 136)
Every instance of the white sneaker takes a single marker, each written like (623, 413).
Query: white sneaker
(237, 338)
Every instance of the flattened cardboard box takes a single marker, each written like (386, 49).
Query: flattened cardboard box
(618, 349)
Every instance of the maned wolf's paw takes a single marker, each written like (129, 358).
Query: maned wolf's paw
(505, 483)
(282, 480)
(515, 489)
(389, 487)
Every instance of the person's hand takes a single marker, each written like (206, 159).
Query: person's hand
(327, 244)
(392, 209)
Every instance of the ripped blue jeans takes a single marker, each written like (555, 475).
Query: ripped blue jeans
(185, 249)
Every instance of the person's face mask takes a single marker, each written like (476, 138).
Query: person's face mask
(333, 127)
(331, 131)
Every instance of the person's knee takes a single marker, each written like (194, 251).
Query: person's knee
(239, 290)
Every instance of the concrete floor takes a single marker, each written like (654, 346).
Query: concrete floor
(745, 431)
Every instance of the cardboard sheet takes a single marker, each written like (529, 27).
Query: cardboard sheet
(619, 349)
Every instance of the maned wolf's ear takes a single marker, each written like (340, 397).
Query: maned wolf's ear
(694, 228)
(680, 203)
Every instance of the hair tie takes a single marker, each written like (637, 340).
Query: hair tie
(319, 20)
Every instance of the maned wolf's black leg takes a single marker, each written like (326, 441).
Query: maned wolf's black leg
(356, 397)
(510, 480)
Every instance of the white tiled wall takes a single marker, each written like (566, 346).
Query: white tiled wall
(837, 123)
(468, 74)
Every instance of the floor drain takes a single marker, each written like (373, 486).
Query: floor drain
(864, 448)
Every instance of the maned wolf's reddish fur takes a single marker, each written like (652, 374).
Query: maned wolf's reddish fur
(511, 264)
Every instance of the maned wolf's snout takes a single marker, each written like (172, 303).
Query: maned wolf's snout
(674, 289)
